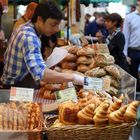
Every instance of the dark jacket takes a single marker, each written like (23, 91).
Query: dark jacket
(116, 47)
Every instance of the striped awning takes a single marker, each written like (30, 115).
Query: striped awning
(97, 1)
(92, 1)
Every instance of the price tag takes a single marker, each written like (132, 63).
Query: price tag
(21, 94)
(67, 94)
(95, 84)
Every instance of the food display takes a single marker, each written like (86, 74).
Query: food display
(20, 116)
(106, 113)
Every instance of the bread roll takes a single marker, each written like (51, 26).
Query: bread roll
(86, 51)
(93, 64)
(113, 71)
(117, 117)
(115, 83)
(101, 116)
(70, 58)
(113, 91)
(82, 68)
(104, 60)
(96, 72)
(84, 60)
(85, 116)
(131, 112)
(69, 65)
(73, 49)
(68, 112)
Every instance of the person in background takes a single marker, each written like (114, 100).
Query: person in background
(132, 8)
(131, 30)
(116, 39)
(27, 16)
(48, 44)
(87, 17)
(24, 64)
(97, 28)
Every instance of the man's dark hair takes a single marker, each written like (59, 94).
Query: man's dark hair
(115, 17)
(47, 9)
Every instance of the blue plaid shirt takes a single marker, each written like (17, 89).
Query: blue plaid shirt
(23, 56)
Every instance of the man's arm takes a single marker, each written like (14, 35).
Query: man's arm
(38, 69)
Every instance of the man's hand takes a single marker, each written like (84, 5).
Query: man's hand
(78, 79)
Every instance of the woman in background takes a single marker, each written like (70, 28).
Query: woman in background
(116, 40)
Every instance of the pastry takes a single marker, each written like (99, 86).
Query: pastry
(86, 51)
(101, 116)
(84, 60)
(96, 72)
(73, 49)
(131, 111)
(102, 59)
(70, 58)
(115, 106)
(69, 65)
(85, 116)
(68, 112)
(113, 71)
(117, 117)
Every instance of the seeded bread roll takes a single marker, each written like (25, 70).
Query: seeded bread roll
(84, 60)
(86, 51)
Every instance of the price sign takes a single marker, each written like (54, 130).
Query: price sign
(95, 84)
(21, 94)
(67, 94)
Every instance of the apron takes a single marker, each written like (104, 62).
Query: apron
(26, 82)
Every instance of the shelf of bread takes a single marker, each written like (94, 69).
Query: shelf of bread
(95, 116)
(87, 62)
(22, 117)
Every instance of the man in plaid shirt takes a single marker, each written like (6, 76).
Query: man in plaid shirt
(24, 65)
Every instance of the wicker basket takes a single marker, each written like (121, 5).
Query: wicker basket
(84, 132)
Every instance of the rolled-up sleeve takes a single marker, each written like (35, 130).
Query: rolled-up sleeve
(33, 57)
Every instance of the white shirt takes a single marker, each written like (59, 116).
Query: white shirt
(131, 30)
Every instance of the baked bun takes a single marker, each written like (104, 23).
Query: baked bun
(113, 71)
(68, 112)
(104, 59)
(82, 68)
(86, 51)
(69, 65)
(84, 60)
(96, 72)
(73, 49)
(70, 57)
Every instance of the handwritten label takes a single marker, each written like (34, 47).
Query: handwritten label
(95, 84)
(21, 94)
(67, 94)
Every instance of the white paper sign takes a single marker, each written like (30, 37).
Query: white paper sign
(57, 55)
(95, 84)
(21, 94)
